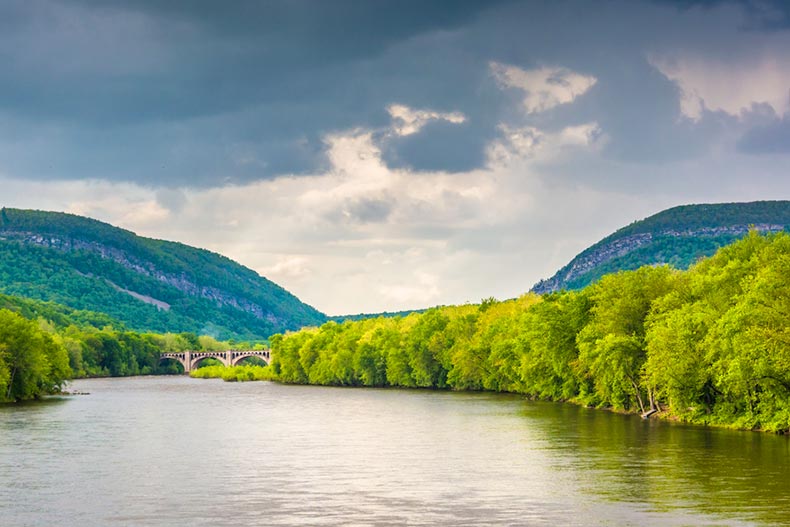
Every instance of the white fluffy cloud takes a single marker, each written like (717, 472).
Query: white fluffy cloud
(544, 88)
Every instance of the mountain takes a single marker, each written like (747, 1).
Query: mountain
(147, 284)
(678, 236)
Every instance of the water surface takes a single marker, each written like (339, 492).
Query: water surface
(174, 451)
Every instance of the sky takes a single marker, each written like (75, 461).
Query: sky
(375, 155)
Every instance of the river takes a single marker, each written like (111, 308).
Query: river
(175, 451)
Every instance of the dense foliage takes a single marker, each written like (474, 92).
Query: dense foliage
(32, 363)
(42, 344)
(89, 265)
(679, 237)
(711, 215)
(708, 345)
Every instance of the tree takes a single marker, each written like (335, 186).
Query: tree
(31, 362)
(423, 346)
(749, 346)
(612, 345)
(547, 347)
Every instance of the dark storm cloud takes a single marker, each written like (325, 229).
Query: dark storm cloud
(173, 87)
(191, 59)
(760, 14)
(207, 93)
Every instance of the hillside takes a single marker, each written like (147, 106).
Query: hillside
(59, 316)
(678, 236)
(147, 284)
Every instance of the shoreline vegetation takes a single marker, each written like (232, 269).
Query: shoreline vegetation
(240, 373)
(43, 345)
(710, 345)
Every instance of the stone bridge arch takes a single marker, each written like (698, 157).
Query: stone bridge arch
(196, 358)
(190, 359)
(178, 357)
(236, 356)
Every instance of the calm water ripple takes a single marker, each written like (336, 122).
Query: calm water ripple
(174, 451)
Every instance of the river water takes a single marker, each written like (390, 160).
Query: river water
(175, 451)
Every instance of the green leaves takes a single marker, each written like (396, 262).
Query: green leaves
(31, 362)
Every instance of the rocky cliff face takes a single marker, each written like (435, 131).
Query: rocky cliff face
(614, 247)
(179, 281)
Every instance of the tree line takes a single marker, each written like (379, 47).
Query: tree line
(37, 356)
(708, 345)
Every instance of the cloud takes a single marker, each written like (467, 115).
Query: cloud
(408, 121)
(532, 143)
(728, 86)
(368, 210)
(205, 96)
(199, 95)
(544, 88)
(440, 145)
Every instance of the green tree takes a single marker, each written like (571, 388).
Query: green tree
(31, 362)
(548, 348)
(612, 345)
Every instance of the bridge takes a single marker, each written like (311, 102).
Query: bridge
(190, 359)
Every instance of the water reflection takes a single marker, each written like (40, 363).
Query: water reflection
(179, 451)
(669, 466)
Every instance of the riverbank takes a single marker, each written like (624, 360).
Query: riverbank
(266, 373)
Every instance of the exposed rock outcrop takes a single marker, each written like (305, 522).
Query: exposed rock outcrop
(119, 256)
(617, 246)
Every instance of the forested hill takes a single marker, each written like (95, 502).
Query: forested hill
(678, 236)
(149, 285)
